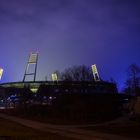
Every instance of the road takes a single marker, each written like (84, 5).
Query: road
(64, 130)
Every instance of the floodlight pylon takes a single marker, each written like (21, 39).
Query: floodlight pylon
(1, 72)
(33, 59)
(95, 73)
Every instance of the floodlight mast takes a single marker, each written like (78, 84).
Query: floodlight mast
(1, 73)
(33, 59)
(95, 73)
(54, 77)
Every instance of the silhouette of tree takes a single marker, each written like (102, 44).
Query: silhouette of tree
(77, 73)
(128, 88)
(133, 81)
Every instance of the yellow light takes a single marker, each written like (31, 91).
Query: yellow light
(33, 58)
(94, 69)
(54, 77)
(34, 90)
(1, 72)
(95, 73)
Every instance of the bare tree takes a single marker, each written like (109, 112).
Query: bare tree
(77, 73)
(134, 78)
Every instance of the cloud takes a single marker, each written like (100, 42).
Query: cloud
(97, 12)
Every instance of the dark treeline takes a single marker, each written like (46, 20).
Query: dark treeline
(133, 81)
(76, 73)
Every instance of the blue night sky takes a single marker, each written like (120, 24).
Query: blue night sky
(67, 33)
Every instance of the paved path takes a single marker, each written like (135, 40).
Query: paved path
(64, 130)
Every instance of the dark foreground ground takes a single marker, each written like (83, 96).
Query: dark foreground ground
(120, 129)
(127, 128)
(13, 131)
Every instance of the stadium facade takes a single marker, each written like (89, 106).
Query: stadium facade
(66, 86)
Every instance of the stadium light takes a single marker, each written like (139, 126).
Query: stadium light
(1, 72)
(95, 73)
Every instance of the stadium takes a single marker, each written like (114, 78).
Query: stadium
(56, 86)
(13, 93)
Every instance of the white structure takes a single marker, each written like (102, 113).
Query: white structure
(54, 77)
(32, 61)
(95, 73)
(1, 72)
